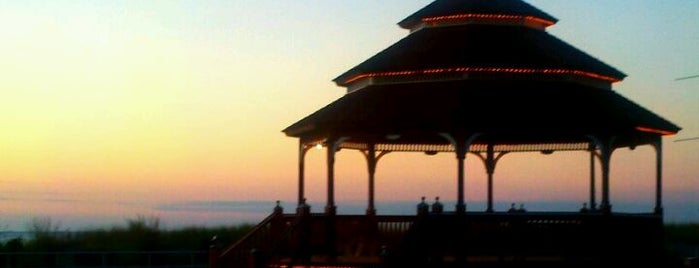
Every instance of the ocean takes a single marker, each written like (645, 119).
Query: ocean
(226, 213)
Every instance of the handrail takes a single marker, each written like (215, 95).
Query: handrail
(239, 252)
(285, 237)
(249, 235)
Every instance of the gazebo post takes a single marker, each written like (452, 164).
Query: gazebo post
(490, 161)
(606, 157)
(490, 168)
(606, 146)
(372, 159)
(333, 146)
(371, 164)
(461, 147)
(593, 202)
(658, 145)
(303, 149)
(330, 208)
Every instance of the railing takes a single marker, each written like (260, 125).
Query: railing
(532, 236)
(351, 240)
(112, 259)
(394, 225)
(242, 253)
(267, 240)
(368, 241)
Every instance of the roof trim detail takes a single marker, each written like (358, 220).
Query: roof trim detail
(466, 70)
(474, 18)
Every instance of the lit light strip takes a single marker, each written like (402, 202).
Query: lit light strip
(484, 70)
(654, 130)
(488, 16)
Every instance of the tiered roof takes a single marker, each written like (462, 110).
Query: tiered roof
(478, 50)
(481, 66)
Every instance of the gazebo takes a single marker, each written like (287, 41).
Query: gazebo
(480, 78)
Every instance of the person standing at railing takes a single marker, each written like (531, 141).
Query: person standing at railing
(512, 208)
(521, 208)
(422, 208)
(584, 208)
(437, 207)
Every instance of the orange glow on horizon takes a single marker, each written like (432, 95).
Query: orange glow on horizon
(489, 17)
(485, 70)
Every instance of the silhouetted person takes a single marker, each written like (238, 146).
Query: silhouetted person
(584, 208)
(423, 208)
(278, 208)
(512, 208)
(437, 207)
(304, 208)
(521, 208)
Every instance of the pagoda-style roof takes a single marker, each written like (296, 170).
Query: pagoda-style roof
(481, 46)
(484, 67)
(451, 8)
(508, 112)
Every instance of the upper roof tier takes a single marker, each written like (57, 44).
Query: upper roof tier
(455, 9)
(479, 39)
(477, 51)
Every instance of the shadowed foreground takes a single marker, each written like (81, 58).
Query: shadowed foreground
(532, 239)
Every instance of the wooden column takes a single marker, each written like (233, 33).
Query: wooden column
(332, 146)
(330, 208)
(303, 148)
(490, 168)
(372, 160)
(461, 149)
(461, 146)
(606, 205)
(371, 164)
(658, 145)
(593, 202)
(490, 161)
(606, 148)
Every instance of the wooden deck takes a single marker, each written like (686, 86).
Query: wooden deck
(531, 239)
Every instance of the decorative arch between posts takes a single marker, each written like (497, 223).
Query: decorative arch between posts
(600, 148)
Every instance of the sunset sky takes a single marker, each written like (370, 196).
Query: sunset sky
(109, 109)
